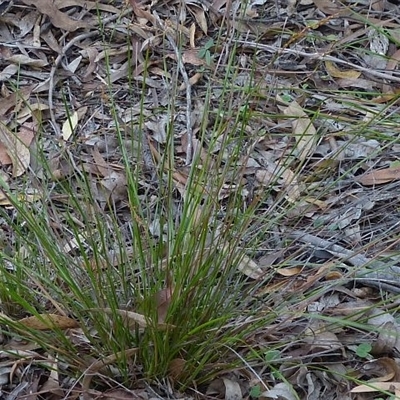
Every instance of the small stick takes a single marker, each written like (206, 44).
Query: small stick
(379, 274)
(321, 57)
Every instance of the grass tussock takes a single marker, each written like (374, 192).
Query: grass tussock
(177, 263)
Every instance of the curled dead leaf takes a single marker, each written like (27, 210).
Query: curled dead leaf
(337, 73)
(44, 322)
(276, 174)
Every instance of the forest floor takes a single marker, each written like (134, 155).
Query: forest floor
(200, 199)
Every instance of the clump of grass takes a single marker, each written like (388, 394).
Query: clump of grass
(183, 279)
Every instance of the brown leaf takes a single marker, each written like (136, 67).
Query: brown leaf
(120, 394)
(8, 72)
(289, 271)
(51, 41)
(14, 147)
(329, 7)
(281, 175)
(388, 336)
(376, 387)
(322, 340)
(337, 73)
(100, 163)
(114, 186)
(21, 59)
(133, 318)
(192, 80)
(88, 5)
(163, 300)
(377, 177)
(176, 368)
(52, 386)
(190, 57)
(71, 122)
(11, 100)
(48, 321)
(303, 129)
(143, 14)
(383, 369)
(57, 18)
(281, 390)
(91, 53)
(201, 19)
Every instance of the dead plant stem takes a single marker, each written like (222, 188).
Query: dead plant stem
(322, 57)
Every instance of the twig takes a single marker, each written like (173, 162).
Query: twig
(321, 57)
(371, 272)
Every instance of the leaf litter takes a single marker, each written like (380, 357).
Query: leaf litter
(314, 86)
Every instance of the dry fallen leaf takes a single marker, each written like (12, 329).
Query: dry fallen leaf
(69, 126)
(163, 300)
(114, 186)
(323, 340)
(48, 321)
(329, 7)
(232, 389)
(71, 123)
(8, 72)
(377, 387)
(120, 394)
(102, 167)
(19, 96)
(190, 57)
(289, 271)
(281, 391)
(133, 318)
(250, 268)
(303, 130)
(276, 174)
(200, 19)
(383, 369)
(21, 59)
(14, 147)
(88, 5)
(176, 368)
(379, 176)
(337, 73)
(57, 18)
